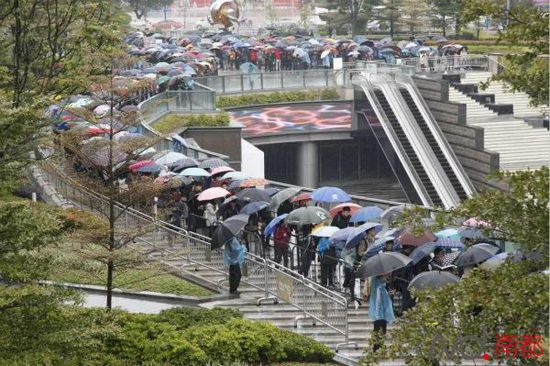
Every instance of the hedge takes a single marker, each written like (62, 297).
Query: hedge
(276, 97)
(173, 122)
(184, 336)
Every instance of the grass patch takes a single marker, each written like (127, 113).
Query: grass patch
(173, 122)
(77, 264)
(276, 97)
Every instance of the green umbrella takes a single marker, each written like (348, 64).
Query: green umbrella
(163, 79)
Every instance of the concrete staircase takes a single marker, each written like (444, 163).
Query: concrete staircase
(503, 96)
(520, 145)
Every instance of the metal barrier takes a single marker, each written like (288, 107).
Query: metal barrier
(191, 249)
(440, 64)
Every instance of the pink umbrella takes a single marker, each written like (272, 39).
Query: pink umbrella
(221, 169)
(475, 222)
(212, 194)
(140, 164)
(336, 209)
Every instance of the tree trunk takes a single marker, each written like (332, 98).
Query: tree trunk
(444, 26)
(110, 272)
(112, 192)
(17, 54)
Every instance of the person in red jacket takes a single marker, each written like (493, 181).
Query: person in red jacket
(282, 238)
(278, 57)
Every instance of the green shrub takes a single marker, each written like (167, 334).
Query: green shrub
(183, 318)
(276, 97)
(299, 348)
(172, 122)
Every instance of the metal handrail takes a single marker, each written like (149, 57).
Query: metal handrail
(266, 268)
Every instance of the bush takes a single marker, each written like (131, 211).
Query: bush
(173, 122)
(276, 97)
(183, 318)
(302, 349)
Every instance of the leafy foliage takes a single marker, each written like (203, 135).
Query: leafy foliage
(276, 97)
(527, 26)
(173, 122)
(463, 319)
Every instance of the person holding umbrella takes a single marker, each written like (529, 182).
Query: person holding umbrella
(282, 239)
(341, 220)
(234, 255)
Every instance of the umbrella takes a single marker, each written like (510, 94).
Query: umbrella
(470, 232)
(134, 167)
(248, 68)
(392, 212)
(125, 135)
(426, 249)
(359, 233)
(234, 175)
(227, 230)
(212, 163)
(310, 215)
(187, 162)
(253, 207)
(492, 263)
(221, 169)
(330, 195)
(382, 263)
(354, 207)
(282, 196)
(270, 228)
(408, 238)
(254, 182)
(102, 109)
(212, 194)
(170, 158)
(475, 222)
(234, 185)
(448, 233)
(476, 254)
(151, 168)
(302, 197)
(253, 195)
(432, 280)
(379, 245)
(325, 231)
(370, 213)
(449, 258)
(195, 172)
(325, 53)
(271, 191)
(342, 235)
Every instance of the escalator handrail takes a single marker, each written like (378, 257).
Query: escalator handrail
(451, 157)
(425, 154)
(368, 88)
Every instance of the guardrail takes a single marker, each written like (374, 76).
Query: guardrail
(440, 64)
(191, 249)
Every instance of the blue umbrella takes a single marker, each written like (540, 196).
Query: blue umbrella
(370, 213)
(253, 207)
(470, 232)
(448, 233)
(379, 245)
(342, 234)
(270, 228)
(358, 233)
(271, 191)
(235, 184)
(330, 195)
(427, 248)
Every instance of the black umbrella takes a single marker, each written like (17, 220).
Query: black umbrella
(228, 230)
(283, 195)
(432, 280)
(212, 163)
(184, 163)
(253, 195)
(310, 215)
(476, 254)
(253, 207)
(382, 263)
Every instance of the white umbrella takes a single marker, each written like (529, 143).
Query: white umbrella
(325, 231)
(170, 158)
(325, 53)
(492, 263)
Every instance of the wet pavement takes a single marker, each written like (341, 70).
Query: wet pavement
(128, 303)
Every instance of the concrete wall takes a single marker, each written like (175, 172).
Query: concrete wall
(252, 160)
(467, 141)
(223, 140)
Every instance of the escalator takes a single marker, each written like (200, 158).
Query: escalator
(433, 144)
(405, 143)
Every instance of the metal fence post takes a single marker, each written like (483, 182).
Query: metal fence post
(267, 296)
(304, 78)
(242, 83)
(262, 80)
(326, 77)
(223, 83)
(281, 74)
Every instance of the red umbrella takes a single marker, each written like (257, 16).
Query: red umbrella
(97, 130)
(140, 164)
(302, 197)
(254, 182)
(409, 238)
(336, 209)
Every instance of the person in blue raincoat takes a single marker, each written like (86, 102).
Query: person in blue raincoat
(234, 255)
(380, 306)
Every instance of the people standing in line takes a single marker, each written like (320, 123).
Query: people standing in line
(278, 56)
(234, 255)
(251, 231)
(380, 308)
(285, 207)
(181, 211)
(230, 209)
(329, 260)
(351, 263)
(302, 242)
(282, 240)
(211, 216)
(341, 220)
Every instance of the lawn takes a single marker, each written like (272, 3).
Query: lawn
(75, 264)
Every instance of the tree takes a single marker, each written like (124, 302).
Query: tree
(270, 12)
(142, 7)
(306, 10)
(444, 12)
(464, 320)
(412, 14)
(527, 26)
(354, 13)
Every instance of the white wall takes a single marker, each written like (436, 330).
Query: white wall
(252, 160)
